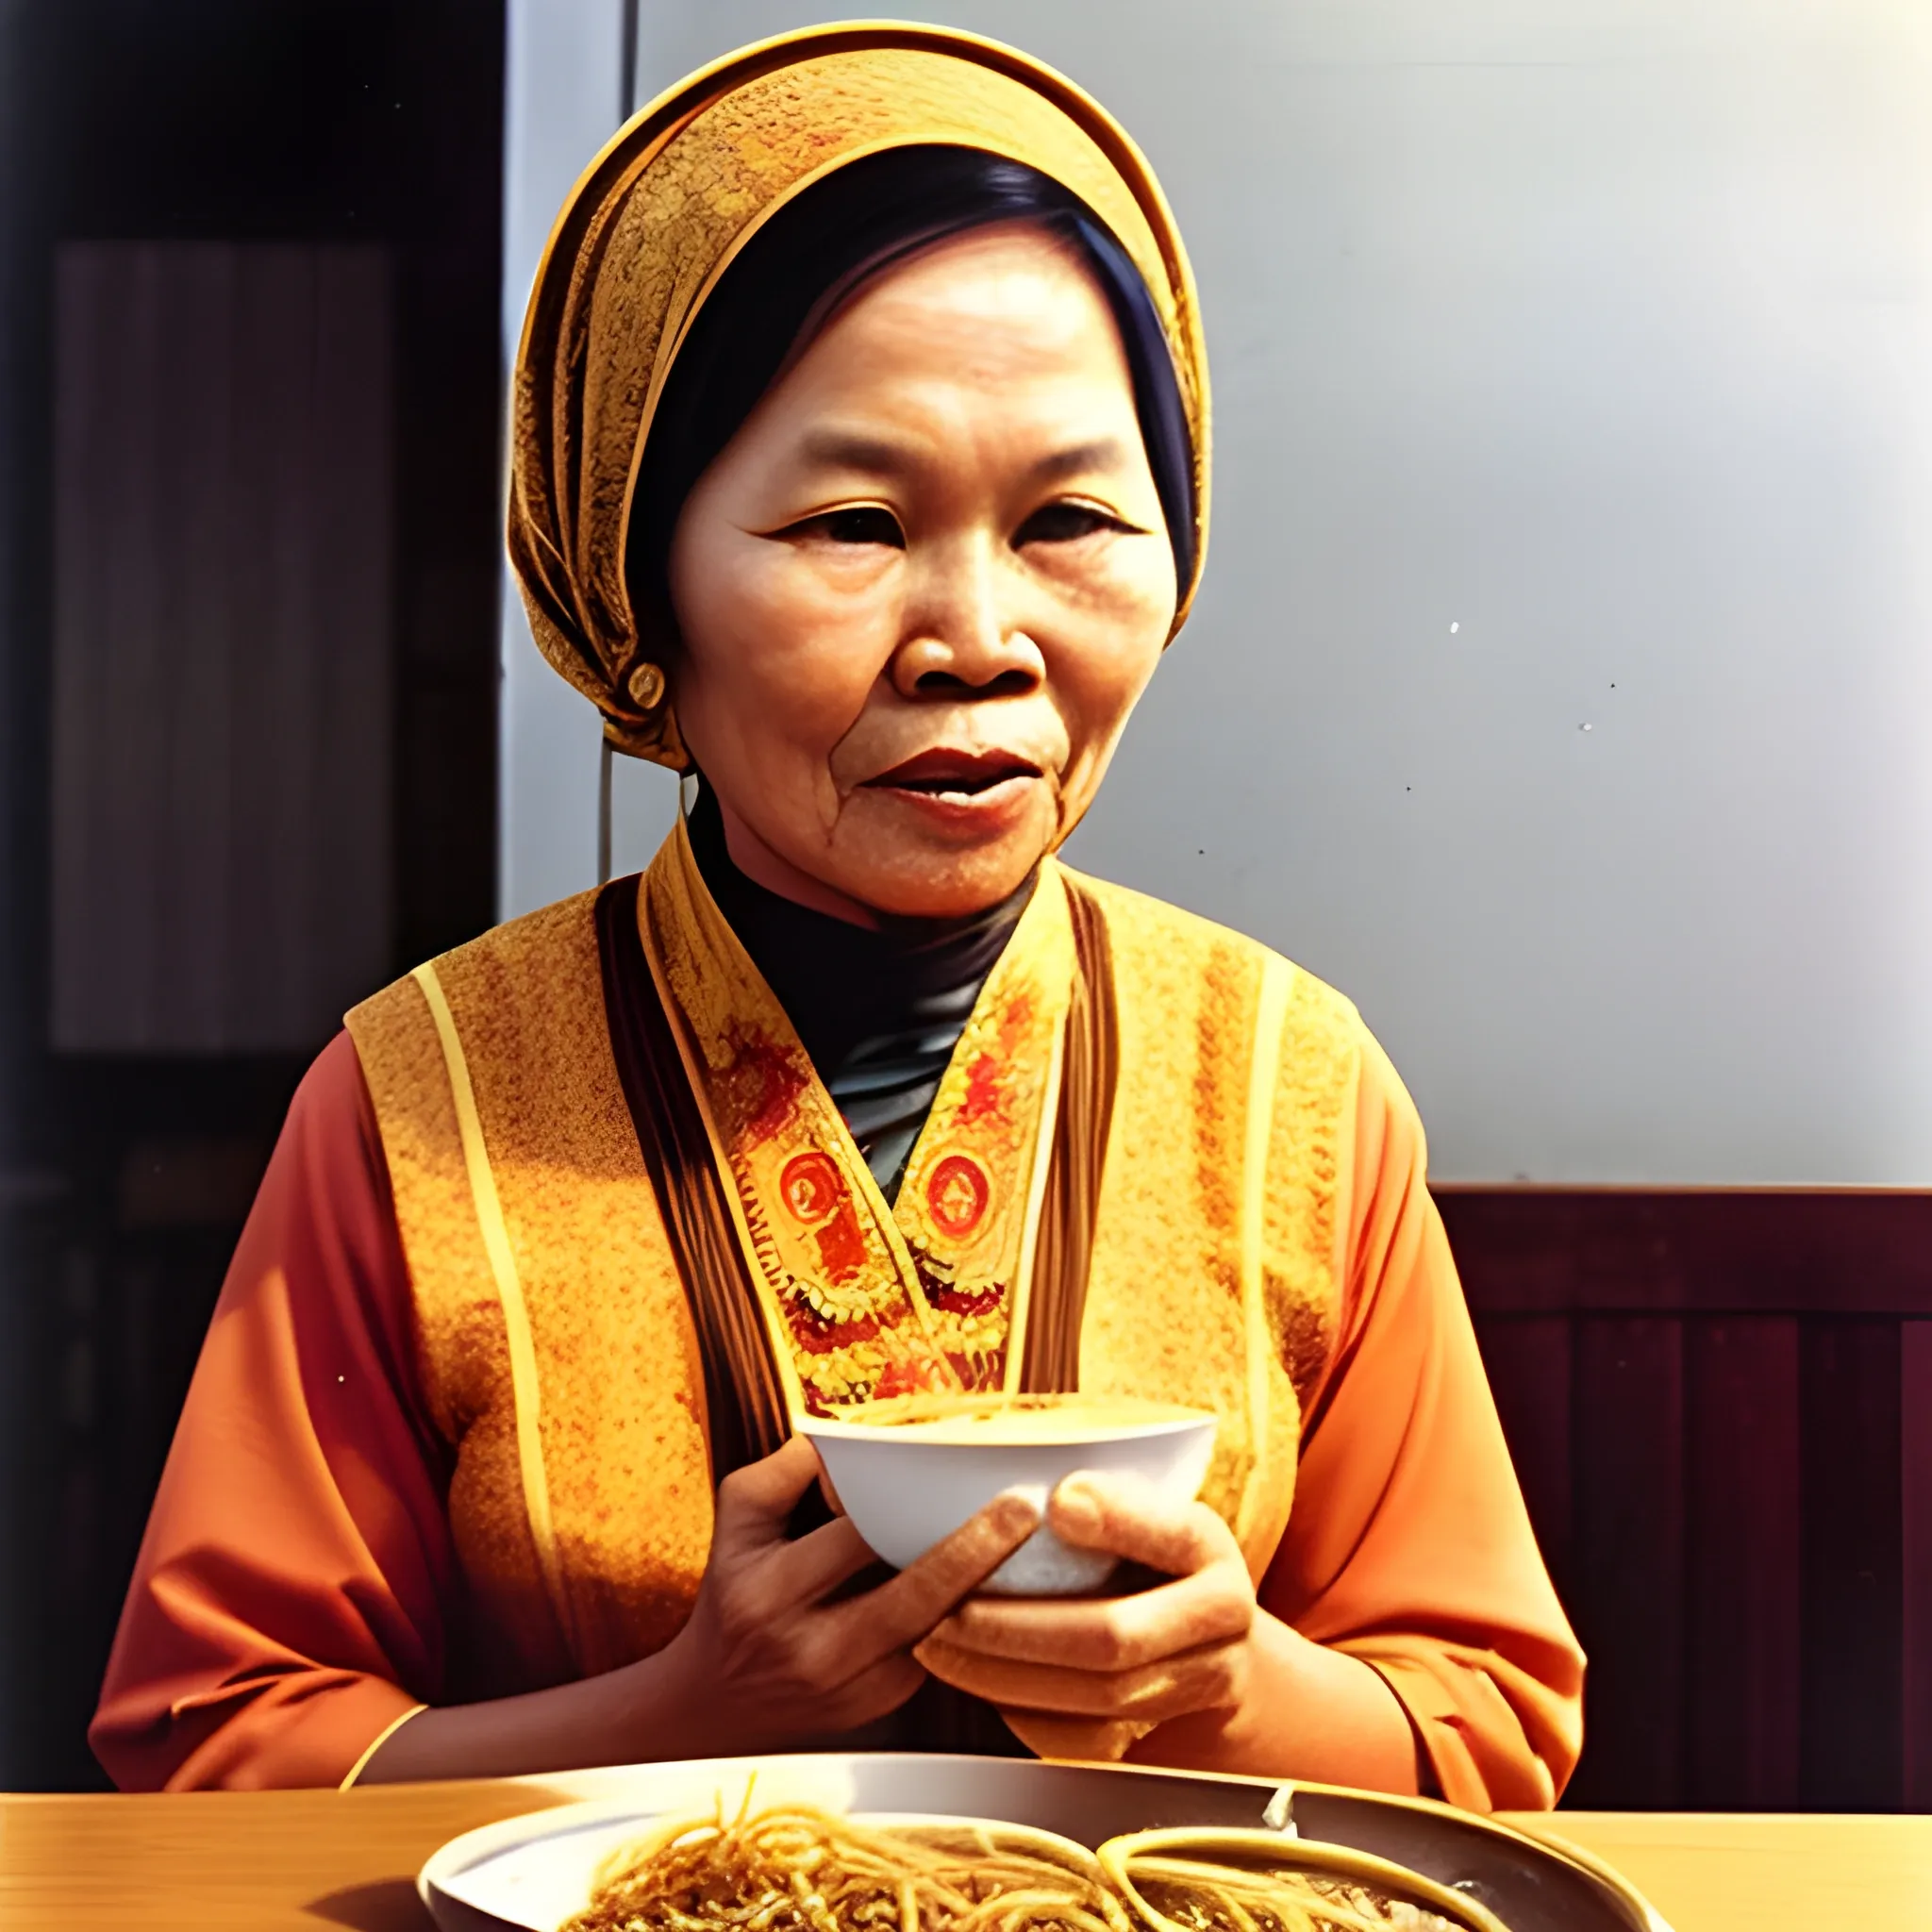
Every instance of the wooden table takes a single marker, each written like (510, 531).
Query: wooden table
(308, 1860)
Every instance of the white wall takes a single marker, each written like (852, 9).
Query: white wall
(1600, 330)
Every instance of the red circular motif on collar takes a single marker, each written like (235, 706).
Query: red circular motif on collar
(811, 1186)
(957, 1193)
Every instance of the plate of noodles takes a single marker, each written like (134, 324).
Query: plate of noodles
(917, 1843)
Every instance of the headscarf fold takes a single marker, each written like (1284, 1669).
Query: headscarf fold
(660, 214)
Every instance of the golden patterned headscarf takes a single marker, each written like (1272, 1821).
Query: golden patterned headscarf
(662, 214)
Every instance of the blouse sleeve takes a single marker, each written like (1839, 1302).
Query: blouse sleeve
(286, 1607)
(1409, 1546)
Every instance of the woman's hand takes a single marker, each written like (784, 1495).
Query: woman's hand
(774, 1653)
(1191, 1671)
(1163, 1653)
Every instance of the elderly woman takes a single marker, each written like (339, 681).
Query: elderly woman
(860, 470)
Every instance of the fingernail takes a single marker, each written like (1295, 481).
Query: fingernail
(1023, 1506)
(1075, 1507)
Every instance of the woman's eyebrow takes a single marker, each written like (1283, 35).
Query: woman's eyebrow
(878, 456)
(1098, 455)
(846, 449)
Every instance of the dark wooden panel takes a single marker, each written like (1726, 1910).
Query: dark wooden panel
(309, 124)
(1555, 1249)
(1627, 1593)
(1915, 1526)
(1737, 1508)
(1852, 1737)
(1743, 1562)
(1528, 1359)
(222, 661)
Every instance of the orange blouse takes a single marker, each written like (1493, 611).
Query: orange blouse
(297, 1591)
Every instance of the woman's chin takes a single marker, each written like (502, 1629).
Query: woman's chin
(955, 890)
(909, 857)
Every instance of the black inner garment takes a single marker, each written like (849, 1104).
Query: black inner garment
(878, 1010)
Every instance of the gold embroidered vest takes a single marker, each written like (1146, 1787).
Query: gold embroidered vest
(584, 1253)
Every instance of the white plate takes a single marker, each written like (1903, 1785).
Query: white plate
(530, 1874)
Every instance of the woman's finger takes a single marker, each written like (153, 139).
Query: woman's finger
(815, 1565)
(898, 1613)
(755, 1502)
(1206, 1679)
(1213, 1606)
(1128, 1516)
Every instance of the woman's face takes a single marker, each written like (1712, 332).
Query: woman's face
(921, 588)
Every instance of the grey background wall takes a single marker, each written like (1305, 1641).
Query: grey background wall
(1562, 688)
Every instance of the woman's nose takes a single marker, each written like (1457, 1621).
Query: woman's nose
(963, 636)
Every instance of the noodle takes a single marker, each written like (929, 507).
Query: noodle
(796, 1868)
(1217, 1898)
(1242, 1880)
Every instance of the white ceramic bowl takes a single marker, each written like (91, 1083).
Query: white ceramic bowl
(907, 1486)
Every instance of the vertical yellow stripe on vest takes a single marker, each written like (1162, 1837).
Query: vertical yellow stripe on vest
(1264, 1078)
(510, 1292)
(1021, 1305)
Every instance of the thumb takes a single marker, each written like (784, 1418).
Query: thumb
(1079, 1740)
(1128, 1516)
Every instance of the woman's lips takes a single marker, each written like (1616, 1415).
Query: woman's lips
(965, 771)
(976, 788)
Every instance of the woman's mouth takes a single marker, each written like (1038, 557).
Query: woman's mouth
(961, 785)
(955, 773)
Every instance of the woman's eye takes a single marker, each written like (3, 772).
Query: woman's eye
(1063, 523)
(864, 526)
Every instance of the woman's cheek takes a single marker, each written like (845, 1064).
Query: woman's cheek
(1129, 578)
(1100, 687)
(1110, 657)
(815, 620)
